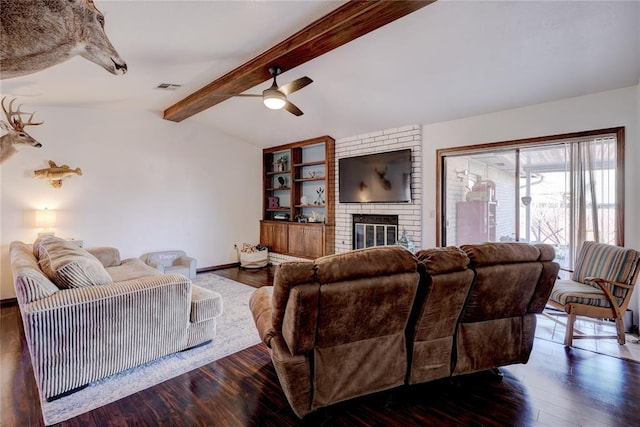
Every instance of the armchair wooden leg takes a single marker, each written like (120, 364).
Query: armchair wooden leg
(568, 336)
(620, 330)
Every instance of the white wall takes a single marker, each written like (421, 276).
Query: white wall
(148, 184)
(597, 111)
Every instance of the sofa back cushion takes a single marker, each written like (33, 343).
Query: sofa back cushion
(166, 258)
(607, 262)
(67, 265)
(442, 260)
(507, 276)
(445, 280)
(364, 305)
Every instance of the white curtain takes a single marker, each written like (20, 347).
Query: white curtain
(592, 183)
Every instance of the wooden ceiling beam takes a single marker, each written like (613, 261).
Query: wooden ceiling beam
(342, 25)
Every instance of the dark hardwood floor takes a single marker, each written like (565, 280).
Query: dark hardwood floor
(558, 387)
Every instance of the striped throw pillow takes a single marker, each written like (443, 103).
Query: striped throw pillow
(67, 265)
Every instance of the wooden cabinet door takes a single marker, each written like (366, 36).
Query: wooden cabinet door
(306, 240)
(274, 235)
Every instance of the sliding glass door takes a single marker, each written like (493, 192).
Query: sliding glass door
(480, 194)
(560, 191)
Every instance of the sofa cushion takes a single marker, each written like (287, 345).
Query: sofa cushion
(67, 265)
(500, 253)
(131, 269)
(443, 260)
(364, 263)
(567, 291)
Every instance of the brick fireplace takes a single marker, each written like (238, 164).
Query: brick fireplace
(409, 215)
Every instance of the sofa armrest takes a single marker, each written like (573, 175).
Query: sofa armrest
(260, 306)
(187, 262)
(86, 329)
(108, 256)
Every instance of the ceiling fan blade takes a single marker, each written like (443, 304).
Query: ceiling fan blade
(292, 109)
(295, 85)
(253, 95)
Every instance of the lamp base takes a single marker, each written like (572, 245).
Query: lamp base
(46, 233)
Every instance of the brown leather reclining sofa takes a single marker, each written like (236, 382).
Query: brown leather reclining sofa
(352, 324)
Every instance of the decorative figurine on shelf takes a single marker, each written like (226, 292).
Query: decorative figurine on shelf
(406, 241)
(274, 202)
(282, 182)
(320, 198)
(304, 200)
(315, 217)
(281, 164)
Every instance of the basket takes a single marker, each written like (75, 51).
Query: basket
(257, 259)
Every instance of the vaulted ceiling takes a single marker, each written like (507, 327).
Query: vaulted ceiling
(445, 61)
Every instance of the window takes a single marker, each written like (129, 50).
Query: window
(560, 190)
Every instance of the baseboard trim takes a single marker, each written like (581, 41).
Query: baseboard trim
(9, 302)
(217, 267)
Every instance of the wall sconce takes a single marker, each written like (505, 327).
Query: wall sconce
(45, 219)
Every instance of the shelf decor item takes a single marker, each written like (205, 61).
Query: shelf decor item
(281, 164)
(274, 202)
(406, 241)
(320, 198)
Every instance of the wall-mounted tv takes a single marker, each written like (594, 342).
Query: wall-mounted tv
(375, 178)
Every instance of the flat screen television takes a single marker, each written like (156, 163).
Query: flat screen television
(375, 178)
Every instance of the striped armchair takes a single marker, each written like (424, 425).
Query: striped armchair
(600, 287)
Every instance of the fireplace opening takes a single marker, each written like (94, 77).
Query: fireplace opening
(374, 230)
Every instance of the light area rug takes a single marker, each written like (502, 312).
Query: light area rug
(235, 332)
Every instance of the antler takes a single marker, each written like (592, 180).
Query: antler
(15, 117)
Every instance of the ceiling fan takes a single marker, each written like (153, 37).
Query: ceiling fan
(275, 97)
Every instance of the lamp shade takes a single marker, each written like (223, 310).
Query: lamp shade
(45, 218)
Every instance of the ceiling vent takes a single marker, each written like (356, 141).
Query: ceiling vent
(168, 86)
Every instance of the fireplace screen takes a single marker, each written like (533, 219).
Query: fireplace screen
(374, 230)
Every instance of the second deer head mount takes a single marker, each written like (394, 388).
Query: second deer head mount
(16, 135)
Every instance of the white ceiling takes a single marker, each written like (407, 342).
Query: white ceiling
(449, 60)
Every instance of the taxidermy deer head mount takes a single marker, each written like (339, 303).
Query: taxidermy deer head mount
(38, 34)
(15, 128)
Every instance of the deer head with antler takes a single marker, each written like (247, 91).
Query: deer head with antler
(15, 131)
(37, 34)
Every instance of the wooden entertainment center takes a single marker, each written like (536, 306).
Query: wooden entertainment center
(298, 214)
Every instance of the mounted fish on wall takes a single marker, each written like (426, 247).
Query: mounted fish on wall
(37, 34)
(55, 173)
(16, 134)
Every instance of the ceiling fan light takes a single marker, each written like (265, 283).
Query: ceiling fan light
(274, 100)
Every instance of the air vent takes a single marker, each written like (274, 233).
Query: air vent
(168, 86)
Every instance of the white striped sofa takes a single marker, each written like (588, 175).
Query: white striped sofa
(79, 334)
